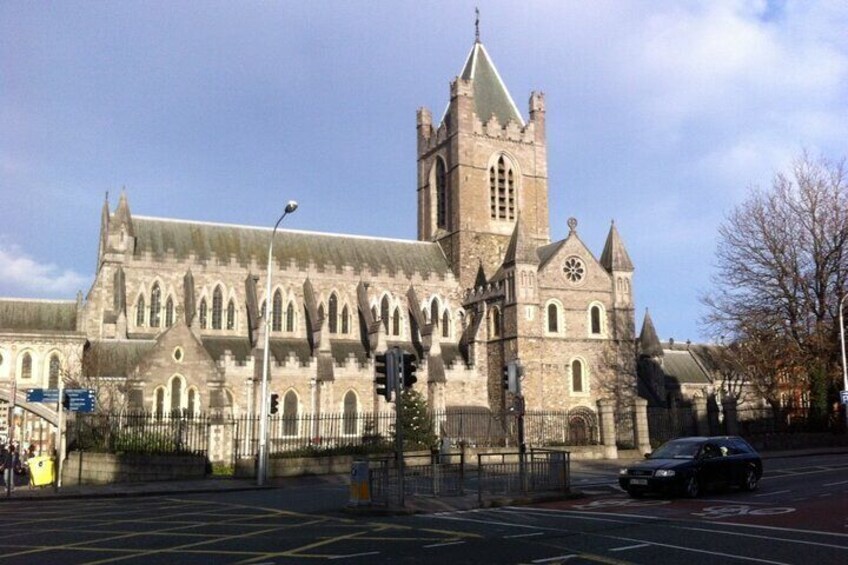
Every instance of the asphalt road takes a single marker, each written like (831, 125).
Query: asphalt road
(799, 515)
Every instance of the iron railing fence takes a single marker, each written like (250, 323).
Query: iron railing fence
(145, 432)
(760, 421)
(139, 433)
(665, 423)
(507, 474)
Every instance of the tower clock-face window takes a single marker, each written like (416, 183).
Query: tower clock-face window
(574, 270)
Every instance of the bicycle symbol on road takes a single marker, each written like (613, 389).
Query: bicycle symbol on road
(719, 512)
(625, 502)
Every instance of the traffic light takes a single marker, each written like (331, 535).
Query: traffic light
(275, 403)
(408, 367)
(512, 372)
(385, 374)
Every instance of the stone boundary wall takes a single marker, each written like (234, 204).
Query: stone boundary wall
(83, 468)
(335, 464)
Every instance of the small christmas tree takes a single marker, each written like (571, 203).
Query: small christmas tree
(415, 421)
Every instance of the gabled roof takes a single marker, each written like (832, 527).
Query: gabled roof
(208, 241)
(683, 368)
(490, 94)
(27, 315)
(115, 358)
(615, 257)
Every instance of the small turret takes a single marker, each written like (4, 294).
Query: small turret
(121, 233)
(649, 343)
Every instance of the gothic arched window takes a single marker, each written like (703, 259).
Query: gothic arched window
(217, 308)
(155, 305)
(446, 323)
(231, 315)
(139, 312)
(192, 407)
(595, 320)
(333, 313)
(277, 312)
(494, 322)
(169, 312)
(290, 414)
(396, 322)
(290, 317)
(202, 314)
(160, 402)
(441, 194)
(176, 395)
(384, 313)
(345, 322)
(53, 374)
(577, 384)
(434, 311)
(26, 366)
(502, 190)
(553, 318)
(349, 415)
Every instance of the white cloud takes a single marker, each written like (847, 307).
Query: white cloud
(20, 274)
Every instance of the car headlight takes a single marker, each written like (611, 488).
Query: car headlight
(622, 471)
(664, 473)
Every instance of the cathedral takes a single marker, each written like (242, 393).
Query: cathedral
(177, 314)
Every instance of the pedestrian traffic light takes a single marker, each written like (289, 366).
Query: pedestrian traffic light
(385, 374)
(275, 403)
(408, 367)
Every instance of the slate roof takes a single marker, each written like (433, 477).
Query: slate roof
(26, 315)
(221, 242)
(682, 366)
(490, 94)
(115, 358)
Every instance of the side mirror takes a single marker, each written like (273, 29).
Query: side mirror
(648, 455)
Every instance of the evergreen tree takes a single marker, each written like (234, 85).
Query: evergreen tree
(415, 421)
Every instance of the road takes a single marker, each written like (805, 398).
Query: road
(798, 516)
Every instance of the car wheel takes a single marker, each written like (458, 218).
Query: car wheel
(751, 480)
(692, 489)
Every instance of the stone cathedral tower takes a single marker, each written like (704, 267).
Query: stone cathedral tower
(478, 168)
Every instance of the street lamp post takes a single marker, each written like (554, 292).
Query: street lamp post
(262, 470)
(842, 339)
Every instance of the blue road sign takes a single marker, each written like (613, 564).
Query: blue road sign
(80, 399)
(843, 394)
(42, 395)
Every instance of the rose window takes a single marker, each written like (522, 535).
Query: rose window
(574, 269)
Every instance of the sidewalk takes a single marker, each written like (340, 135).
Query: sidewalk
(584, 473)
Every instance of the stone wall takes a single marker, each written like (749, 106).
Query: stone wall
(81, 468)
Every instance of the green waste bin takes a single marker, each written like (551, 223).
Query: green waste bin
(40, 470)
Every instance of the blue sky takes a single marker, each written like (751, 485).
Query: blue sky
(660, 116)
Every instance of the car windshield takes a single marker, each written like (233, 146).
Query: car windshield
(676, 450)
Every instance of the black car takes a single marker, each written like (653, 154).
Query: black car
(691, 465)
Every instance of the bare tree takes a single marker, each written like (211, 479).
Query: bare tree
(782, 265)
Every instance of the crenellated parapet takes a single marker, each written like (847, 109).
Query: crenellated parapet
(490, 291)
